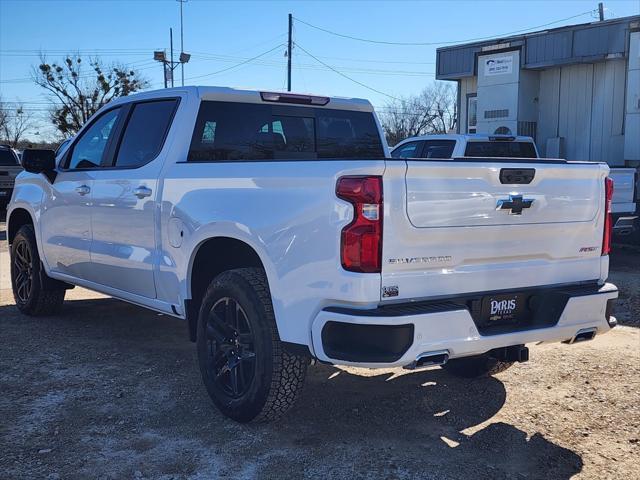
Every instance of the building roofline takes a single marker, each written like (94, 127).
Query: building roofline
(580, 43)
(522, 36)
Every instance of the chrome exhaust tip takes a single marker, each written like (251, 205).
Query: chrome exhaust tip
(583, 335)
(429, 359)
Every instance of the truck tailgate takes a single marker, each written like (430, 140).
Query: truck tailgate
(457, 227)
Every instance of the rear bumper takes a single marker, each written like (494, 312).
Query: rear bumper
(442, 327)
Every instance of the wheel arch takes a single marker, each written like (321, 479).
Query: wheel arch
(17, 218)
(206, 263)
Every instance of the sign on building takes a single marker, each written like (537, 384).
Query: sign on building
(498, 65)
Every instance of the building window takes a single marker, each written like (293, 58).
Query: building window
(496, 113)
(472, 113)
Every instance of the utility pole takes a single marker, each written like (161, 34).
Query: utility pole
(289, 53)
(601, 11)
(164, 73)
(168, 65)
(171, 40)
(181, 40)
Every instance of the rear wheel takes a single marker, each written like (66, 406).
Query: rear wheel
(31, 295)
(247, 373)
(477, 366)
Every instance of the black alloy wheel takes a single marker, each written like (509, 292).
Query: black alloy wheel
(231, 348)
(34, 292)
(247, 372)
(23, 271)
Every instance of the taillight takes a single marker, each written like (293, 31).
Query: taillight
(361, 241)
(608, 220)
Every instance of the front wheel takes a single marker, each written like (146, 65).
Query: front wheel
(32, 296)
(247, 373)
(476, 366)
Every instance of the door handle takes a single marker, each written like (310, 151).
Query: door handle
(83, 190)
(142, 192)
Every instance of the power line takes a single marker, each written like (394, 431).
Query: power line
(238, 64)
(346, 76)
(382, 42)
(142, 65)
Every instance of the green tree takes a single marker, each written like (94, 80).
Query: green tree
(78, 91)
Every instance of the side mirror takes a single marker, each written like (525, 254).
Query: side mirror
(40, 161)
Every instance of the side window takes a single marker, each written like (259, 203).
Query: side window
(90, 148)
(408, 150)
(438, 148)
(145, 133)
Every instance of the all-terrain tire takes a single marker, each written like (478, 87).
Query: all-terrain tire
(278, 375)
(477, 366)
(33, 298)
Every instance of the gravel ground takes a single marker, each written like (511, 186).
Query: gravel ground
(109, 390)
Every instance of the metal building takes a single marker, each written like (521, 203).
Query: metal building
(575, 89)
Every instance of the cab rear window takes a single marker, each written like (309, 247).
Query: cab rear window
(228, 131)
(500, 149)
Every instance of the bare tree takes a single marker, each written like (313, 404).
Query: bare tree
(78, 91)
(434, 110)
(3, 116)
(15, 123)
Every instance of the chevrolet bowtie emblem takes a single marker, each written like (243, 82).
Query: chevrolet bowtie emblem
(515, 204)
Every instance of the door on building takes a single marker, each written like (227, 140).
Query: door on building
(472, 113)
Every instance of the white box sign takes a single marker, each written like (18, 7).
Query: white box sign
(498, 66)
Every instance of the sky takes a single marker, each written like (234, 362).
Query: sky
(247, 39)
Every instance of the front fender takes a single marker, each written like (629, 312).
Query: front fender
(28, 193)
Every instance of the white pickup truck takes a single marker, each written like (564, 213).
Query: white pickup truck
(457, 145)
(277, 225)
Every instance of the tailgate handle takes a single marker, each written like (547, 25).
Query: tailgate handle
(517, 175)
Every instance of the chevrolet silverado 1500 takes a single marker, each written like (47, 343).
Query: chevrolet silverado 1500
(280, 229)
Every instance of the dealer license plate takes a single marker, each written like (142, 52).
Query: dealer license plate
(506, 308)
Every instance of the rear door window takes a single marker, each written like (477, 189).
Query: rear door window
(500, 149)
(145, 132)
(227, 131)
(438, 148)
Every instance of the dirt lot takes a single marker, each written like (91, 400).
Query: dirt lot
(109, 390)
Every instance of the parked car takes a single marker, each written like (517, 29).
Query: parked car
(450, 146)
(9, 169)
(280, 229)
